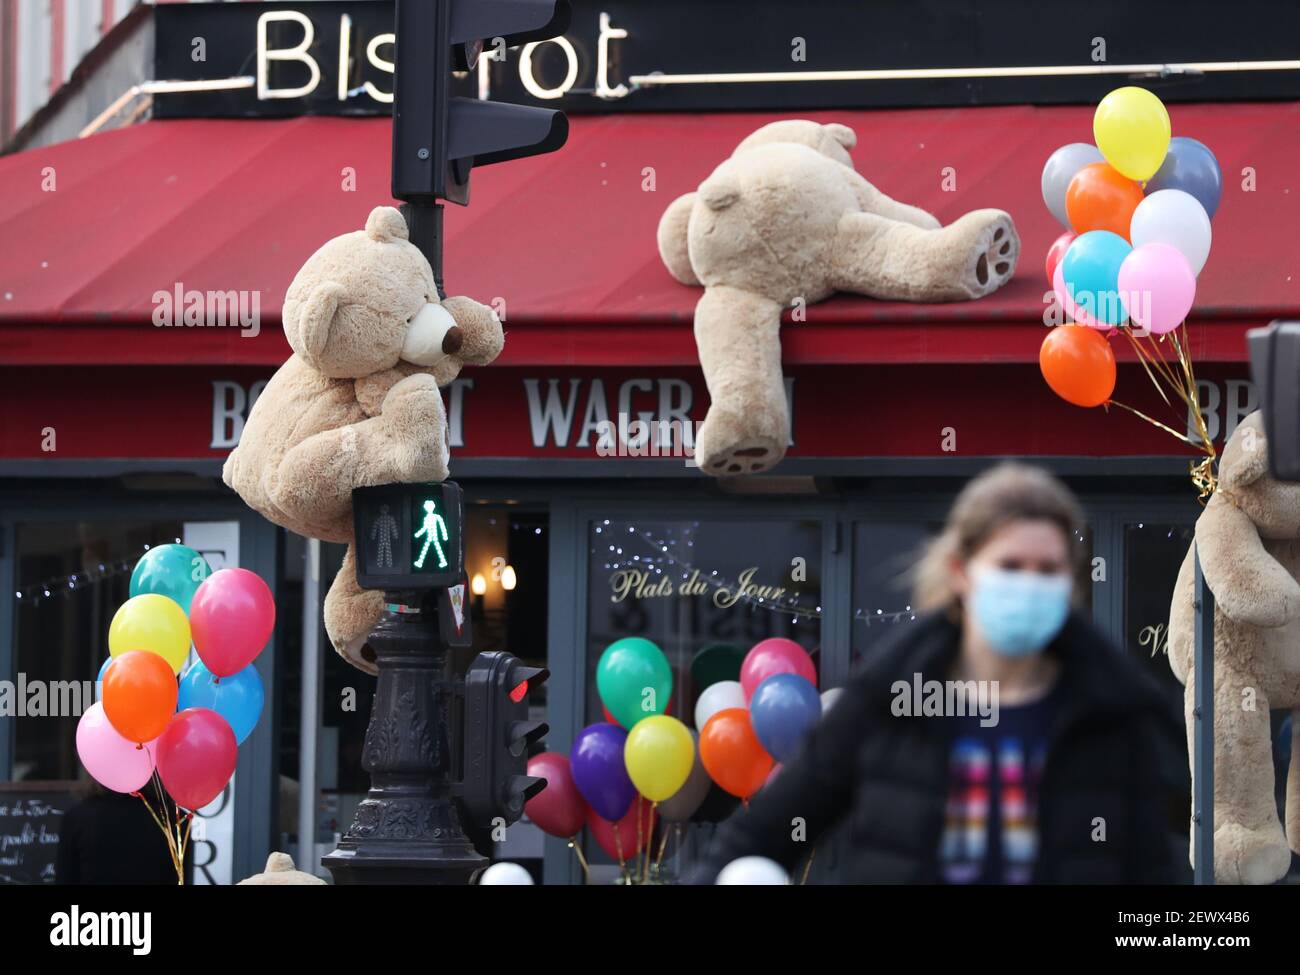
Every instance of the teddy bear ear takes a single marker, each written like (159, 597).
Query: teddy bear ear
(1245, 456)
(386, 224)
(842, 134)
(719, 191)
(307, 324)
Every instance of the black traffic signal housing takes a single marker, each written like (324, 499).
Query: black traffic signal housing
(409, 536)
(438, 138)
(1275, 366)
(498, 731)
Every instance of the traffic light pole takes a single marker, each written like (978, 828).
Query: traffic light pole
(424, 224)
(408, 829)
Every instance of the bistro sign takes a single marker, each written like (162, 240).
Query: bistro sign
(336, 56)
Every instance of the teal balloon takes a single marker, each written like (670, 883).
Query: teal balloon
(1091, 272)
(237, 698)
(174, 571)
(634, 680)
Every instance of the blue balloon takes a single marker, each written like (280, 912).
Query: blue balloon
(1091, 272)
(174, 571)
(1191, 167)
(782, 710)
(99, 681)
(237, 698)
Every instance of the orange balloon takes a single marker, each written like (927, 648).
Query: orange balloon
(140, 693)
(1099, 198)
(731, 753)
(1078, 364)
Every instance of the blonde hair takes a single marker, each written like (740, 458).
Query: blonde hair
(1006, 493)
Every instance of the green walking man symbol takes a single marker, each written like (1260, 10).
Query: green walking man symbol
(433, 527)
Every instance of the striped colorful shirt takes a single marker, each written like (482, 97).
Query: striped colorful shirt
(991, 831)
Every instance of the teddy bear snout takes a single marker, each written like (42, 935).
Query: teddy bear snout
(432, 335)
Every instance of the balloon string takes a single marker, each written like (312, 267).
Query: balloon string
(582, 860)
(807, 867)
(618, 847)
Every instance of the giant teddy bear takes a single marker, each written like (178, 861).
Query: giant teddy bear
(358, 402)
(788, 219)
(1248, 538)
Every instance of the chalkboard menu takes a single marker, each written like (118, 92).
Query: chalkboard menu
(30, 815)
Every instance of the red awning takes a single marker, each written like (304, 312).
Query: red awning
(91, 229)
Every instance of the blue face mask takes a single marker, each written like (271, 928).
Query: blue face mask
(1019, 613)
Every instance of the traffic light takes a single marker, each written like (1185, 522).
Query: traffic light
(437, 138)
(496, 783)
(409, 536)
(1275, 366)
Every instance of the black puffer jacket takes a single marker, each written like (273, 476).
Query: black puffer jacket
(889, 775)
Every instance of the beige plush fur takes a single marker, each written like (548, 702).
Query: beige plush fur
(788, 220)
(347, 410)
(1249, 541)
(281, 872)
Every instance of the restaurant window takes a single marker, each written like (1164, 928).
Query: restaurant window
(884, 556)
(70, 578)
(704, 591)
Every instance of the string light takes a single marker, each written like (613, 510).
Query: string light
(36, 593)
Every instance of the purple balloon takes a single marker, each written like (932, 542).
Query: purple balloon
(1191, 167)
(596, 761)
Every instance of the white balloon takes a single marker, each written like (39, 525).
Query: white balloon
(829, 697)
(1175, 218)
(505, 875)
(718, 697)
(752, 872)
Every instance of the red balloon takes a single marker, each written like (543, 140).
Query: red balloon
(1056, 252)
(232, 615)
(624, 845)
(196, 757)
(559, 809)
(775, 655)
(731, 753)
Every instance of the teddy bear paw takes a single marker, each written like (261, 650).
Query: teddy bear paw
(1250, 856)
(728, 446)
(348, 622)
(992, 252)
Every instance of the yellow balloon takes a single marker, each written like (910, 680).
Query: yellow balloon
(659, 753)
(1131, 128)
(154, 623)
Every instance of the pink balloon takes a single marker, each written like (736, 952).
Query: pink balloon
(113, 761)
(775, 655)
(196, 757)
(1055, 253)
(1076, 313)
(232, 615)
(1157, 287)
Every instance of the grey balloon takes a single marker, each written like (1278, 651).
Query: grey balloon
(1060, 169)
(681, 805)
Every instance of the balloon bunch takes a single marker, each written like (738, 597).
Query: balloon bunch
(644, 765)
(181, 735)
(1138, 206)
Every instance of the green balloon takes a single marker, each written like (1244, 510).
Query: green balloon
(174, 571)
(634, 680)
